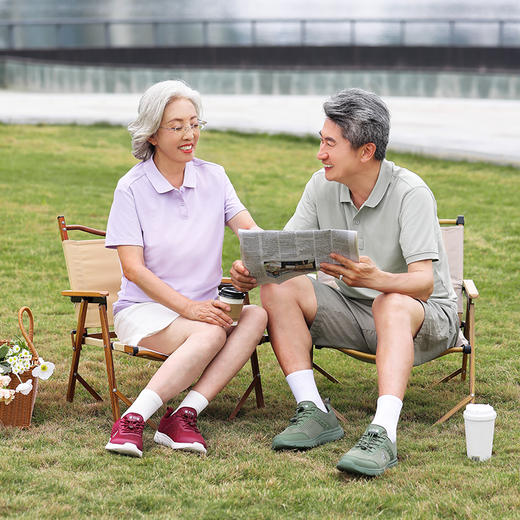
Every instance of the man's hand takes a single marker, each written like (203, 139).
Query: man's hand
(209, 311)
(240, 277)
(417, 282)
(355, 274)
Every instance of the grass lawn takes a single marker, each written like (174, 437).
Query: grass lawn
(58, 468)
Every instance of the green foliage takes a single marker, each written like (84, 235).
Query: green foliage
(59, 469)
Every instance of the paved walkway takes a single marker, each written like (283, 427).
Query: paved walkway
(471, 129)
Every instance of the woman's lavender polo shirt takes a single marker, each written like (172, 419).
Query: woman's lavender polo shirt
(180, 230)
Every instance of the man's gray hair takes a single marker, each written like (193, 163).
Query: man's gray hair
(150, 113)
(362, 116)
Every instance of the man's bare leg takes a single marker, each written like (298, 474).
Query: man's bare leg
(291, 308)
(397, 318)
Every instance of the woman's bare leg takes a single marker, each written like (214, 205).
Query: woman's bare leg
(196, 347)
(239, 346)
(191, 346)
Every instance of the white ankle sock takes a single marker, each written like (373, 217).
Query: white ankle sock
(194, 400)
(146, 404)
(387, 414)
(304, 388)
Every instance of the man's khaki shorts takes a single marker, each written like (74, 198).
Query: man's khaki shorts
(348, 323)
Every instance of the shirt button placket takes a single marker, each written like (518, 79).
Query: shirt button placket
(183, 208)
(361, 242)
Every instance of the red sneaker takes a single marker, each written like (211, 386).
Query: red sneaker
(127, 435)
(179, 431)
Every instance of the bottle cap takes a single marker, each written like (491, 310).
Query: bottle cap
(479, 412)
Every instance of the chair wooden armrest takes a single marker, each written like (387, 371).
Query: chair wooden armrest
(470, 289)
(85, 294)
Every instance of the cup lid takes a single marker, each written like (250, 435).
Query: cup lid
(230, 292)
(479, 412)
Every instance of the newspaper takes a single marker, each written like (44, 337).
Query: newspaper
(276, 256)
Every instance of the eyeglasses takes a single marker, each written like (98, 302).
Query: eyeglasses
(182, 130)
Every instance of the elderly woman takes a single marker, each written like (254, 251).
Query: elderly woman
(167, 222)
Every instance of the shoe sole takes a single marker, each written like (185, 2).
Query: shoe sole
(328, 436)
(125, 449)
(352, 467)
(164, 440)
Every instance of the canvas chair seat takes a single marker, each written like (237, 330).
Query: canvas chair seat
(466, 291)
(94, 274)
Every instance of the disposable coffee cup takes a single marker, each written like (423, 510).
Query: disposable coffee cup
(479, 423)
(235, 299)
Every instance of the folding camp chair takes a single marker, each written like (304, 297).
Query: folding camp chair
(95, 278)
(453, 237)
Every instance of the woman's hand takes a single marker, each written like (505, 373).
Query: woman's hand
(209, 311)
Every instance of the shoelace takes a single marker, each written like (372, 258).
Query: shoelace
(300, 415)
(131, 425)
(190, 422)
(369, 441)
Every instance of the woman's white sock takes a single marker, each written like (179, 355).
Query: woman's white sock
(194, 400)
(146, 404)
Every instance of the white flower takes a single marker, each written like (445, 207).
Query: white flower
(26, 354)
(18, 367)
(44, 370)
(12, 360)
(6, 396)
(16, 348)
(25, 388)
(4, 381)
(27, 364)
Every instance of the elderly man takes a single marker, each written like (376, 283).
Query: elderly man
(396, 302)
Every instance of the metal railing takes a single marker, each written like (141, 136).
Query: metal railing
(20, 34)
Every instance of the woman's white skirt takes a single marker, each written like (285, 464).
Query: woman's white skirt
(142, 320)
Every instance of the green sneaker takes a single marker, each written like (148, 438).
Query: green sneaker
(308, 428)
(372, 455)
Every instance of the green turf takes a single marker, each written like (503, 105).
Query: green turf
(59, 469)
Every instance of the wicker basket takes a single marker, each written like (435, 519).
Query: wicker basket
(19, 411)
